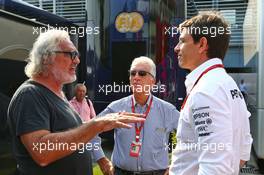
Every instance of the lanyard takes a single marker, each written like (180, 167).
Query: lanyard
(202, 74)
(138, 129)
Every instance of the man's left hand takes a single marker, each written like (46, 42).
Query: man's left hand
(106, 166)
(167, 172)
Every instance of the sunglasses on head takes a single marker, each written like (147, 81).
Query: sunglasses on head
(141, 73)
(72, 54)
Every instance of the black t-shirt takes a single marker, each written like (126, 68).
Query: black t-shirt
(34, 107)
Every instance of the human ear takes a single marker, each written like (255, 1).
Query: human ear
(203, 45)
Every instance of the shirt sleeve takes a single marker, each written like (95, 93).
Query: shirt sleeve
(246, 140)
(107, 110)
(97, 150)
(174, 118)
(71, 102)
(212, 122)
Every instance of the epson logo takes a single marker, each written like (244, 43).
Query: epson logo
(201, 115)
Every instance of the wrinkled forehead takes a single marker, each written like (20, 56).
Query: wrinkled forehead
(140, 66)
(184, 31)
(81, 88)
(185, 34)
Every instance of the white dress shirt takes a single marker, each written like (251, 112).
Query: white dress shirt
(213, 132)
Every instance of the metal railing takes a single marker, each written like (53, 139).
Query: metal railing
(74, 10)
(234, 12)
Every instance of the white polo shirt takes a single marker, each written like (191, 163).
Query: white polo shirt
(213, 132)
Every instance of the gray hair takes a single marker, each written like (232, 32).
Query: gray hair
(40, 54)
(148, 61)
(79, 85)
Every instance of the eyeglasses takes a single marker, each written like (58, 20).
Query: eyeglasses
(141, 73)
(72, 54)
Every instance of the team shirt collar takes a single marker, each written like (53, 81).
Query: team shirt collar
(193, 76)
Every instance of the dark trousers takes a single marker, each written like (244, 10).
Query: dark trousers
(119, 171)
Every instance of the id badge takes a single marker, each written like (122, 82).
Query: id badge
(135, 149)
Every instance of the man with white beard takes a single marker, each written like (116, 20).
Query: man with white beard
(48, 136)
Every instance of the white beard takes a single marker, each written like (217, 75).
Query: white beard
(63, 76)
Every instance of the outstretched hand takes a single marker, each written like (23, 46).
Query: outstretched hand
(119, 120)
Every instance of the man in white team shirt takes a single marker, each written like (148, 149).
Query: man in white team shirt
(213, 135)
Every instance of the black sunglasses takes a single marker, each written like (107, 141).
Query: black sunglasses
(72, 54)
(141, 73)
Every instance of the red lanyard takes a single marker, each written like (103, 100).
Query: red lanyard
(138, 129)
(202, 74)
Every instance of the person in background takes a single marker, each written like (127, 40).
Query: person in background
(243, 88)
(81, 104)
(84, 107)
